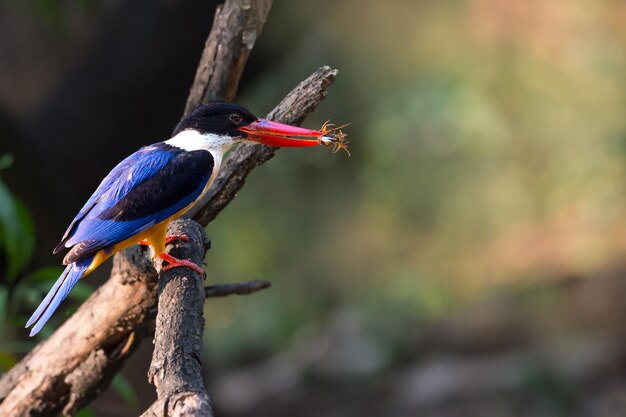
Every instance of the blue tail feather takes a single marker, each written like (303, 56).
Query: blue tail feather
(57, 294)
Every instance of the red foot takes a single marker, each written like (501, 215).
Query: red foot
(168, 240)
(176, 263)
(176, 238)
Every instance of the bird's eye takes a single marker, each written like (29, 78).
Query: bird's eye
(236, 118)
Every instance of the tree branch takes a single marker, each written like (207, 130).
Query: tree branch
(241, 288)
(71, 367)
(66, 371)
(236, 27)
(176, 368)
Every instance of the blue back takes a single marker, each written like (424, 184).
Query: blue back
(157, 181)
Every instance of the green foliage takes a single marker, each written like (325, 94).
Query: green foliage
(486, 150)
(17, 236)
(21, 287)
(85, 412)
(122, 386)
(17, 232)
(55, 13)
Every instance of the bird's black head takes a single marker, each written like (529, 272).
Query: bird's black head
(218, 119)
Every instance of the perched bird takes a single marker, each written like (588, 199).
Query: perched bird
(155, 185)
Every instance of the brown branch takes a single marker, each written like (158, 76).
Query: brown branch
(240, 288)
(176, 368)
(236, 27)
(66, 371)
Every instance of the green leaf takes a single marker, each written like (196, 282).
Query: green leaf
(7, 360)
(85, 412)
(25, 240)
(8, 230)
(4, 304)
(121, 385)
(17, 233)
(32, 289)
(51, 11)
(6, 161)
(81, 291)
(45, 274)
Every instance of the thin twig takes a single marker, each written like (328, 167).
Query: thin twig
(236, 27)
(240, 288)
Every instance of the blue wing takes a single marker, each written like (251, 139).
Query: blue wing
(146, 188)
(137, 167)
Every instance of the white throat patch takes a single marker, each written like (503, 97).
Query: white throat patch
(192, 140)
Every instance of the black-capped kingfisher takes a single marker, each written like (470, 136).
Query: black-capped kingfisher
(155, 185)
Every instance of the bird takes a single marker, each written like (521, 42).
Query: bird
(158, 183)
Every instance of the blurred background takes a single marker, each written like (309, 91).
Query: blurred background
(466, 260)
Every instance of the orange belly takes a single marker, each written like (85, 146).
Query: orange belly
(155, 236)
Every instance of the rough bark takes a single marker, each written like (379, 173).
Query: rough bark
(66, 371)
(236, 27)
(176, 368)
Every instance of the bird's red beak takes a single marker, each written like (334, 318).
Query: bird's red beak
(278, 134)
